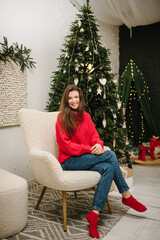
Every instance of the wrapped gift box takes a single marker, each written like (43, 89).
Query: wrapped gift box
(128, 176)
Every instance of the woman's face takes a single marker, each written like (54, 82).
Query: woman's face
(73, 99)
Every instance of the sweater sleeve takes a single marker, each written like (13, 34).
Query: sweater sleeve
(94, 134)
(66, 145)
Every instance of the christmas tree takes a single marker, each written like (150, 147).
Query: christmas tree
(85, 62)
(134, 94)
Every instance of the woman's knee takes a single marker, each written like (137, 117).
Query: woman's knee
(113, 154)
(110, 154)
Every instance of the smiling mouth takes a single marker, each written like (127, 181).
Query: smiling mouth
(74, 105)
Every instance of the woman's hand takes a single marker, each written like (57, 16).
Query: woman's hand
(97, 149)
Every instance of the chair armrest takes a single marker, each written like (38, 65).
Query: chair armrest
(106, 148)
(46, 168)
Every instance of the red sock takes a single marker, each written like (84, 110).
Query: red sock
(92, 218)
(133, 203)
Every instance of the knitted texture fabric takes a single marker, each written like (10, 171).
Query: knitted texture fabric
(133, 203)
(80, 142)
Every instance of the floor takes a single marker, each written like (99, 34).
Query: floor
(141, 226)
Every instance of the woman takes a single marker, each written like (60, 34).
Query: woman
(80, 148)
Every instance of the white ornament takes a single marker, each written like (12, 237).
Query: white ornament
(66, 54)
(87, 48)
(82, 30)
(103, 81)
(114, 143)
(104, 122)
(124, 111)
(119, 104)
(77, 68)
(79, 22)
(76, 81)
(114, 115)
(99, 91)
(124, 125)
(90, 90)
(90, 66)
(127, 142)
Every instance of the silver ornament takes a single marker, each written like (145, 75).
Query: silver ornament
(76, 81)
(104, 122)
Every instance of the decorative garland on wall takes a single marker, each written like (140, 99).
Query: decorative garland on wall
(13, 81)
(20, 55)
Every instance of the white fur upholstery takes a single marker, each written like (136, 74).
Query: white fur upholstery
(39, 134)
(13, 204)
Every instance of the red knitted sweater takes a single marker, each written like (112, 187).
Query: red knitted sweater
(80, 142)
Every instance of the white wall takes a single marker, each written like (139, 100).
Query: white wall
(40, 25)
(110, 39)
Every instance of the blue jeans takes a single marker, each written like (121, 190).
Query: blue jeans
(107, 165)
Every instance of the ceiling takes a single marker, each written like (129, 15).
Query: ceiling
(129, 12)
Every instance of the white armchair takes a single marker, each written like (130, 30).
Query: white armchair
(38, 129)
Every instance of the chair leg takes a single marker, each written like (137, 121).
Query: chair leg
(109, 206)
(75, 194)
(64, 210)
(41, 196)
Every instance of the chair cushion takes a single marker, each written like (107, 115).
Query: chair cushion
(77, 180)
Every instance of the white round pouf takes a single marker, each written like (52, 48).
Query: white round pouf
(13, 204)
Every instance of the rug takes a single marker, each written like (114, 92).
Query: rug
(47, 222)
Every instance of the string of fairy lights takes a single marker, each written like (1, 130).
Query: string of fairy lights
(135, 96)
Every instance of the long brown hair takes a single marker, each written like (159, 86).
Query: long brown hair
(68, 117)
